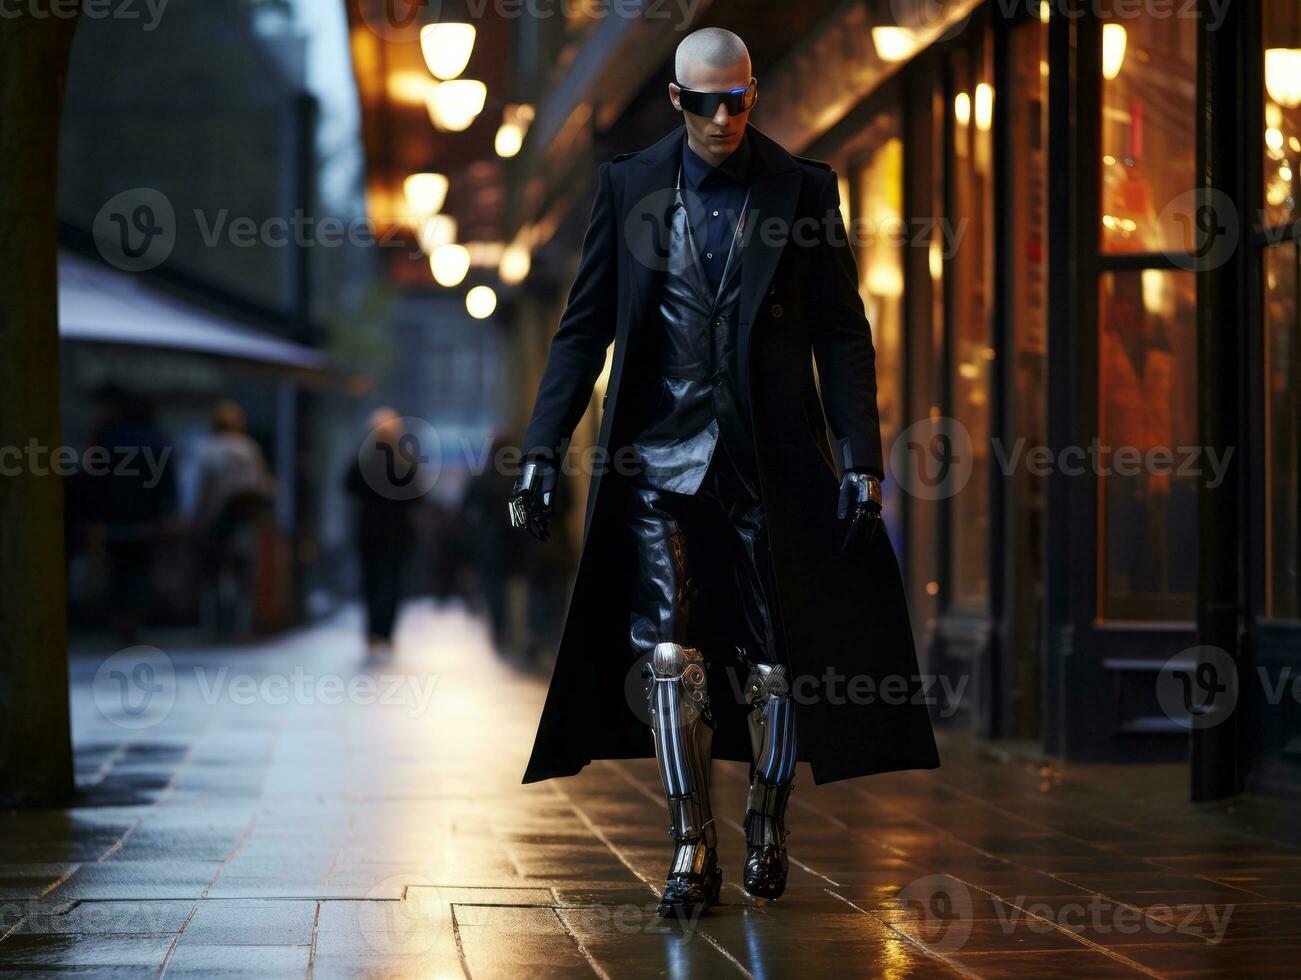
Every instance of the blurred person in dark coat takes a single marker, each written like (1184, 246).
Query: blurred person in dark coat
(385, 530)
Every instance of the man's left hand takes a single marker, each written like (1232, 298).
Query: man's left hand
(859, 507)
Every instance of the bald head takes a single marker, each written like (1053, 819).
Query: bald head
(708, 50)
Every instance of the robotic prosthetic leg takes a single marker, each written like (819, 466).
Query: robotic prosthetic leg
(772, 740)
(683, 730)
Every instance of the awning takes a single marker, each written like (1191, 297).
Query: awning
(98, 304)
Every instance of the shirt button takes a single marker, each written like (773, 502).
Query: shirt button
(715, 214)
(709, 255)
(777, 311)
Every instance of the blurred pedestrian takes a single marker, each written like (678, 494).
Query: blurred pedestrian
(235, 492)
(381, 478)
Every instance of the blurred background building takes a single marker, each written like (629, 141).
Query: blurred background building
(1037, 265)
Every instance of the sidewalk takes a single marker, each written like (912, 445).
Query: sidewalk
(285, 810)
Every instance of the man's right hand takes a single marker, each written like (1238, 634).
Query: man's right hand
(530, 500)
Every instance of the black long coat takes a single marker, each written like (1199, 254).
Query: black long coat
(860, 702)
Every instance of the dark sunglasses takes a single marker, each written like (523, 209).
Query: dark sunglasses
(737, 100)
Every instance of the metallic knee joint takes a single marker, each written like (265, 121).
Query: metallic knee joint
(682, 727)
(772, 742)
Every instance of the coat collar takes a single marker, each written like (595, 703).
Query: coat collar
(697, 173)
(774, 190)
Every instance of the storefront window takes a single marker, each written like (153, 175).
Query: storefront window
(1149, 72)
(1281, 34)
(1147, 356)
(971, 112)
(1146, 332)
(880, 237)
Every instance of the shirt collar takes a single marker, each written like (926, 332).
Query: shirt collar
(736, 168)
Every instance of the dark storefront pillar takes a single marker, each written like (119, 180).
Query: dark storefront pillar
(1221, 299)
(35, 743)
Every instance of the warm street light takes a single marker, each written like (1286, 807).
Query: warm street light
(1283, 76)
(515, 121)
(984, 106)
(894, 43)
(425, 194)
(453, 106)
(515, 264)
(447, 48)
(1114, 39)
(449, 264)
(962, 108)
(509, 140)
(480, 302)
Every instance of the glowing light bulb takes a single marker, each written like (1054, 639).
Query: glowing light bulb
(447, 48)
(425, 194)
(894, 43)
(1283, 76)
(984, 106)
(449, 264)
(1114, 40)
(453, 106)
(515, 264)
(480, 302)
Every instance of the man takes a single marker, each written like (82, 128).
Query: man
(385, 529)
(718, 265)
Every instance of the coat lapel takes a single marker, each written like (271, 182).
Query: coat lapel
(649, 203)
(774, 190)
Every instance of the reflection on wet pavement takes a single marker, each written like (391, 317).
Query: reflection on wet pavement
(290, 809)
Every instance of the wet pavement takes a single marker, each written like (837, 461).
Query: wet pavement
(287, 809)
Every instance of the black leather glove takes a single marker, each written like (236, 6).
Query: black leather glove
(860, 506)
(530, 500)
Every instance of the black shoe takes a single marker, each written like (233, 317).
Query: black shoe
(765, 870)
(687, 891)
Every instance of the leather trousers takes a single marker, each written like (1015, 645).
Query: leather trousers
(664, 525)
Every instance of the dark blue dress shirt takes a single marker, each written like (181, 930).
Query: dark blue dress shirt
(717, 195)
